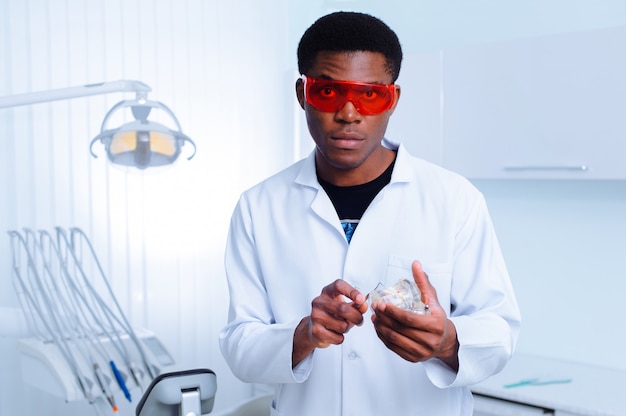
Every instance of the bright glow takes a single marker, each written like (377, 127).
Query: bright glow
(124, 141)
(162, 143)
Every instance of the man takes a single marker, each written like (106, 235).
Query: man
(307, 245)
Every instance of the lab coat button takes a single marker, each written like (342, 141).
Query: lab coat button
(353, 356)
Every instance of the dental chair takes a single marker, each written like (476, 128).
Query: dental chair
(188, 393)
(255, 406)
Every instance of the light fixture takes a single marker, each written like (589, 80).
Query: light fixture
(141, 143)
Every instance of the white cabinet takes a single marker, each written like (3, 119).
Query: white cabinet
(488, 406)
(530, 383)
(552, 108)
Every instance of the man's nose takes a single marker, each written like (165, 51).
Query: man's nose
(348, 113)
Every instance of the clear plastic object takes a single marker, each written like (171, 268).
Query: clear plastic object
(404, 294)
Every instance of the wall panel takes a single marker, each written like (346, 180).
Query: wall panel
(159, 235)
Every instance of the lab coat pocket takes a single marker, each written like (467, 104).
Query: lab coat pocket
(398, 268)
(439, 275)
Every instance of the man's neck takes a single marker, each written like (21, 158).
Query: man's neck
(372, 168)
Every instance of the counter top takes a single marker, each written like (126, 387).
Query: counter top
(564, 386)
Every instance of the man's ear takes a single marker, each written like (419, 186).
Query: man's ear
(300, 92)
(396, 98)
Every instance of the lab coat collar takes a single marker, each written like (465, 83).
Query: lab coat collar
(402, 170)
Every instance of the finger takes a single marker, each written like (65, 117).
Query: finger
(396, 345)
(361, 303)
(400, 319)
(429, 294)
(334, 310)
(406, 348)
(362, 307)
(322, 337)
(328, 328)
(407, 342)
(342, 288)
(406, 322)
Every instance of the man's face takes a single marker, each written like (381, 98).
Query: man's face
(348, 144)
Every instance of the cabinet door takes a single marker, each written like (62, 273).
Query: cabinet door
(490, 406)
(552, 107)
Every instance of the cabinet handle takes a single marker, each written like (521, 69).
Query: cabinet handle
(581, 168)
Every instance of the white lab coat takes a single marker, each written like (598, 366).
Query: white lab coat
(286, 243)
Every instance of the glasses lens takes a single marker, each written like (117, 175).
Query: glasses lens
(331, 96)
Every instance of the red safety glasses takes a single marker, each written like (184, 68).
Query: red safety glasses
(330, 96)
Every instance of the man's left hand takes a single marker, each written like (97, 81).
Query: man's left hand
(416, 337)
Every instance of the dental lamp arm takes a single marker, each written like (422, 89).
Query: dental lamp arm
(74, 92)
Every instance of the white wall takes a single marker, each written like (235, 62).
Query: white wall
(565, 246)
(226, 69)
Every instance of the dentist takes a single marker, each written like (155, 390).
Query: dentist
(308, 244)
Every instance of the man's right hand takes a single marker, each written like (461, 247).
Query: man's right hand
(337, 309)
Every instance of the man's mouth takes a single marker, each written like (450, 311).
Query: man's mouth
(347, 140)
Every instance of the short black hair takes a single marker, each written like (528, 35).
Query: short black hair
(349, 32)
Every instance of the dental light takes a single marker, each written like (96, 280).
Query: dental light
(141, 143)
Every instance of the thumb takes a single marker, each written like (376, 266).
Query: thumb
(429, 294)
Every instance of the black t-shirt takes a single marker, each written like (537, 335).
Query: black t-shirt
(351, 201)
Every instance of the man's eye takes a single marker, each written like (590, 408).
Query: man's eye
(370, 95)
(327, 92)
